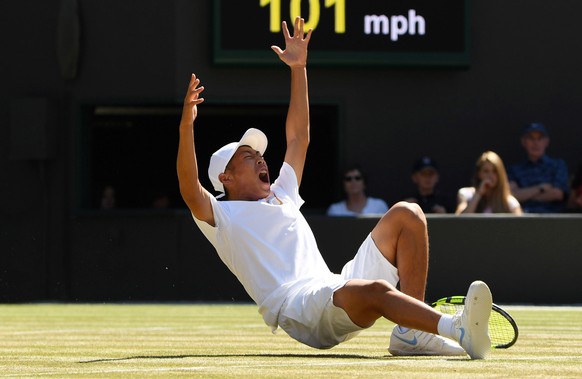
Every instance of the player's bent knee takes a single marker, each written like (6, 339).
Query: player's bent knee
(376, 292)
(380, 285)
(407, 207)
(408, 212)
(401, 214)
(363, 300)
(363, 293)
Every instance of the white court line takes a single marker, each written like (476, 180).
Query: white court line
(379, 361)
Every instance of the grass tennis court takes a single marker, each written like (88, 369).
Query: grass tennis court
(218, 341)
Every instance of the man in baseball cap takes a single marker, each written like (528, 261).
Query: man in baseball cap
(261, 235)
(254, 139)
(540, 183)
(425, 176)
(535, 127)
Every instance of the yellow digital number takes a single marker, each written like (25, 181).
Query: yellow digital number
(274, 14)
(314, 13)
(339, 14)
(314, 8)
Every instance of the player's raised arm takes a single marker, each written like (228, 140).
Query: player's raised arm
(196, 197)
(297, 124)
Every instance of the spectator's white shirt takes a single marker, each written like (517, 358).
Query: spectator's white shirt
(373, 206)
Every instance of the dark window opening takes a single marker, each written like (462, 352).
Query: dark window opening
(128, 153)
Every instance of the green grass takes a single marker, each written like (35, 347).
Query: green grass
(218, 341)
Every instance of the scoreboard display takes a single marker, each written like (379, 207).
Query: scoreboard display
(346, 32)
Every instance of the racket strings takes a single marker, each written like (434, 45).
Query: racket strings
(501, 331)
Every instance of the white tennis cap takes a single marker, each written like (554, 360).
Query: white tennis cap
(218, 161)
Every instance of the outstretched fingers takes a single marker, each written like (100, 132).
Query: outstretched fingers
(194, 90)
(191, 100)
(295, 53)
(299, 29)
(307, 37)
(286, 33)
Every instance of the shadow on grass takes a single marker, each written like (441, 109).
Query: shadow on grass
(326, 356)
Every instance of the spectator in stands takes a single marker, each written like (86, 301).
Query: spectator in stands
(540, 183)
(356, 201)
(575, 199)
(425, 175)
(491, 192)
(108, 198)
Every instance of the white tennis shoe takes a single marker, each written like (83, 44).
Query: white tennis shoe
(416, 342)
(472, 323)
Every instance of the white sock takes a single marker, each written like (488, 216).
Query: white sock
(446, 327)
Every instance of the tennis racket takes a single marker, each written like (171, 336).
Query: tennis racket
(502, 328)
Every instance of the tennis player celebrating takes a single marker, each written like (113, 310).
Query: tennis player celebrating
(261, 235)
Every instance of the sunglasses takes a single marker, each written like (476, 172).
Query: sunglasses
(352, 178)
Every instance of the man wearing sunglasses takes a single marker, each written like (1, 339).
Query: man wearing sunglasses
(261, 235)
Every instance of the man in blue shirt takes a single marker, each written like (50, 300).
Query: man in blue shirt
(540, 183)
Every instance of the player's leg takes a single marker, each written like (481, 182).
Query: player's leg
(365, 301)
(402, 238)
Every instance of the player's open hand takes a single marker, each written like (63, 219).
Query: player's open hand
(295, 53)
(192, 99)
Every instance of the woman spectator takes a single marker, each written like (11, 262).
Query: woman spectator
(356, 202)
(491, 192)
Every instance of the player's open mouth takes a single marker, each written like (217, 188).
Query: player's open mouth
(264, 177)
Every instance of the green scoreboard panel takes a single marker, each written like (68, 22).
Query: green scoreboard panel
(346, 32)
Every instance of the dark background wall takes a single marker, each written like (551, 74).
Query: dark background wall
(143, 257)
(524, 67)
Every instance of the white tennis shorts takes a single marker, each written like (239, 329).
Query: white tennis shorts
(309, 315)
